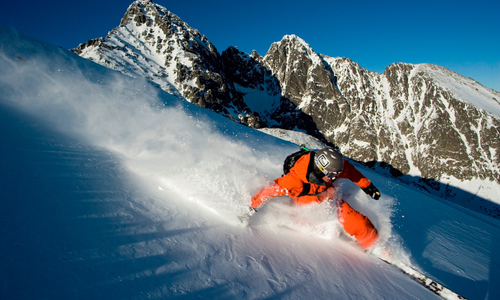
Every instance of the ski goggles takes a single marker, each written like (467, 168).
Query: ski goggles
(333, 175)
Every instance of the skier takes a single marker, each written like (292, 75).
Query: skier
(309, 178)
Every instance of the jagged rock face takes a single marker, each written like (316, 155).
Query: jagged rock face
(247, 71)
(417, 124)
(457, 139)
(251, 80)
(152, 42)
(301, 72)
(309, 85)
(412, 116)
(263, 89)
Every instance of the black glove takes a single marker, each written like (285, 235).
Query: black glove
(372, 191)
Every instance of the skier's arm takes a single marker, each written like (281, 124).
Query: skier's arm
(304, 192)
(264, 194)
(326, 193)
(351, 173)
(320, 192)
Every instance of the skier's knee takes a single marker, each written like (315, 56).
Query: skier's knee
(369, 238)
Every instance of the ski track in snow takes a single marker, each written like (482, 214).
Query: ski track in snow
(114, 189)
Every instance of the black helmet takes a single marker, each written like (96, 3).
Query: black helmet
(329, 161)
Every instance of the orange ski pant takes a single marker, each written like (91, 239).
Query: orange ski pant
(357, 225)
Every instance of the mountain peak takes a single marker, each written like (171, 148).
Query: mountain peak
(296, 42)
(293, 37)
(142, 11)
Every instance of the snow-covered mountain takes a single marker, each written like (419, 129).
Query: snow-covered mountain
(423, 120)
(113, 189)
(438, 128)
(154, 43)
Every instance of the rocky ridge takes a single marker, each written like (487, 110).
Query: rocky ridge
(154, 43)
(418, 124)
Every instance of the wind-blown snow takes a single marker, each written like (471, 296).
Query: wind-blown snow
(114, 189)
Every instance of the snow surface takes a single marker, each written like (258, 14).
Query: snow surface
(113, 189)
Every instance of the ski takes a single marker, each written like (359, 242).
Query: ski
(429, 283)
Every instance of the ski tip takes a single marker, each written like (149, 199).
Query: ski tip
(445, 293)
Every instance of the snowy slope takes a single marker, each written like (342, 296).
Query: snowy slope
(112, 189)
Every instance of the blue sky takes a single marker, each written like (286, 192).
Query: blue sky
(463, 36)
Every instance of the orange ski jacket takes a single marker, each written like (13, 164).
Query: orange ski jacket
(297, 185)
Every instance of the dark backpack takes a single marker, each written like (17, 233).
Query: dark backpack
(291, 159)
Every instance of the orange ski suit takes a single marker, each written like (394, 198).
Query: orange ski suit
(296, 185)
